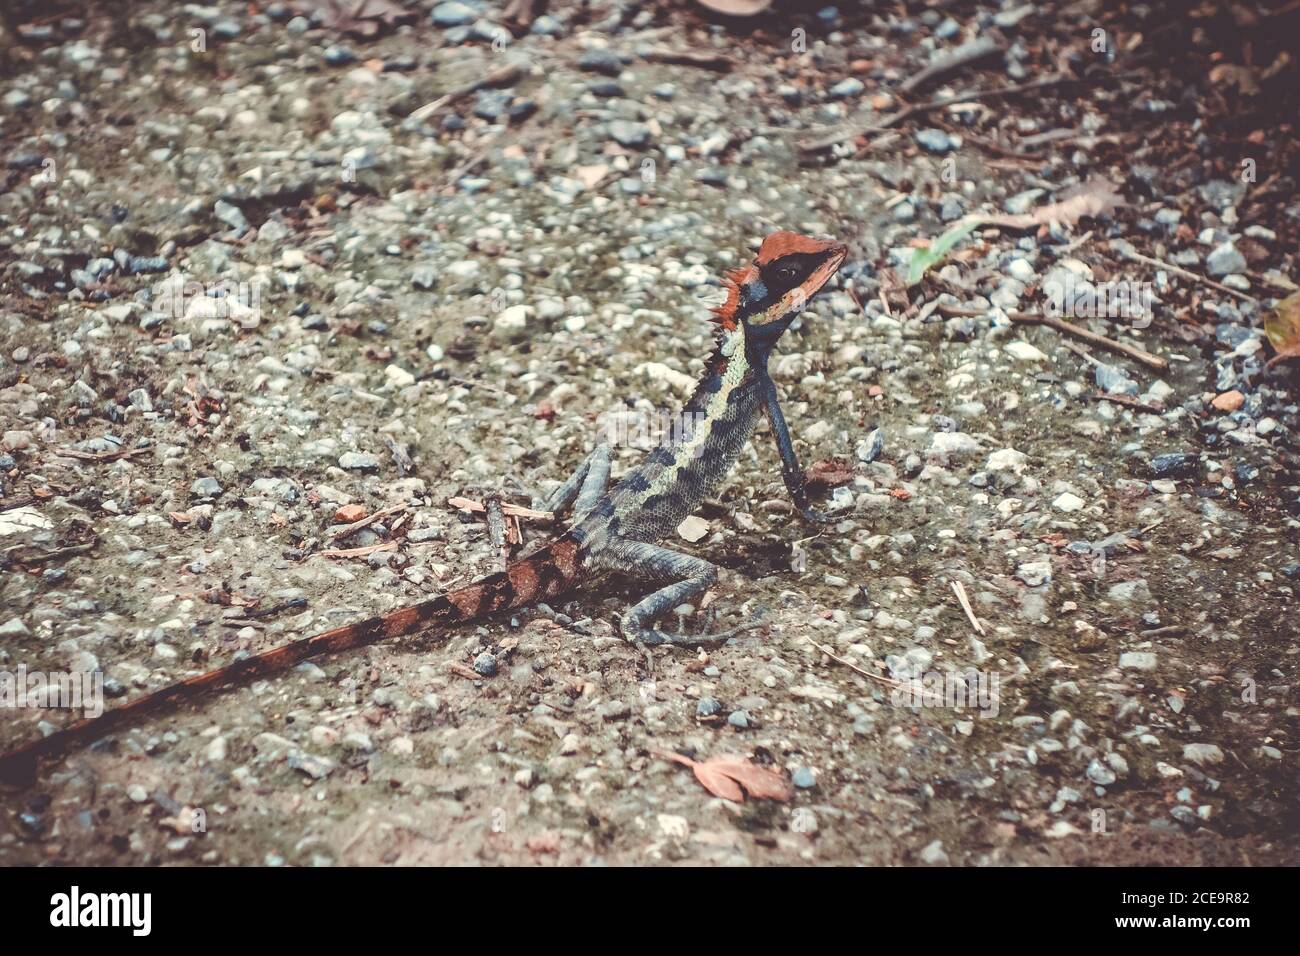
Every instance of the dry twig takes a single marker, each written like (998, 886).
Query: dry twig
(960, 590)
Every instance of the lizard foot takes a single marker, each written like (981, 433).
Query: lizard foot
(813, 516)
(651, 637)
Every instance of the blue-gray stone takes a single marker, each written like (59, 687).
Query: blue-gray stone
(1225, 260)
(629, 133)
(933, 140)
(205, 488)
(1179, 464)
(452, 14)
(547, 26)
(1114, 381)
(846, 88)
(601, 61)
(338, 55)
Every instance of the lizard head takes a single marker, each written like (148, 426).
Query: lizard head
(787, 272)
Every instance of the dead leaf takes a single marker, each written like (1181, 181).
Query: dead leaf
(590, 176)
(1094, 198)
(1233, 74)
(1282, 326)
(363, 18)
(349, 513)
(731, 777)
(546, 842)
(829, 473)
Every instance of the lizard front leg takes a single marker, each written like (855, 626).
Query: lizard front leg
(584, 487)
(790, 470)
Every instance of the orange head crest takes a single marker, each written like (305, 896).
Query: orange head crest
(788, 271)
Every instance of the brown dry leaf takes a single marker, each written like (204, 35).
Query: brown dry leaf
(1282, 326)
(364, 18)
(590, 176)
(349, 513)
(829, 473)
(1094, 198)
(1233, 74)
(732, 777)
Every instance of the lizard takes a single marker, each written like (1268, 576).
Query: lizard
(613, 529)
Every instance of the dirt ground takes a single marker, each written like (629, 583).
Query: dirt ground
(426, 304)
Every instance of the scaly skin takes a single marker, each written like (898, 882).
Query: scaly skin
(612, 530)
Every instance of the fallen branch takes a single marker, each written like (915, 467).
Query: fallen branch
(1188, 274)
(1121, 348)
(1027, 318)
(840, 135)
(962, 56)
(1128, 401)
(718, 62)
(100, 455)
(358, 552)
(502, 76)
(30, 557)
(888, 682)
(509, 510)
(460, 670)
(344, 530)
(960, 590)
(294, 604)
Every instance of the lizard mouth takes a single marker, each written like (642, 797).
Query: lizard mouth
(838, 252)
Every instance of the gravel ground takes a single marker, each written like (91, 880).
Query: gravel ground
(422, 307)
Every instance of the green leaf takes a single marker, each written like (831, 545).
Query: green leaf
(923, 259)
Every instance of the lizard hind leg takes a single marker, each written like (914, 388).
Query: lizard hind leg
(689, 575)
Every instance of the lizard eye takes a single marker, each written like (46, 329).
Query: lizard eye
(787, 273)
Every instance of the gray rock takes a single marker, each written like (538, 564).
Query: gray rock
(205, 488)
(1202, 754)
(1225, 260)
(934, 141)
(1035, 573)
(1130, 592)
(705, 707)
(846, 88)
(14, 627)
(1114, 381)
(629, 133)
(452, 15)
(1100, 774)
(605, 62)
(1137, 661)
(358, 461)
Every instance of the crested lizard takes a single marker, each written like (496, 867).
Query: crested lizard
(614, 529)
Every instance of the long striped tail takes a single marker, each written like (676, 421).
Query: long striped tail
(549, 572)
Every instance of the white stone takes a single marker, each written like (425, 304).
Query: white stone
(1006, 459)
(1067, 502)
(399, 376)
(1022, 351)
(1137, 661)
(1202, 753)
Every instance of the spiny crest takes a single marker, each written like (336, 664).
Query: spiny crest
(725, 315)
